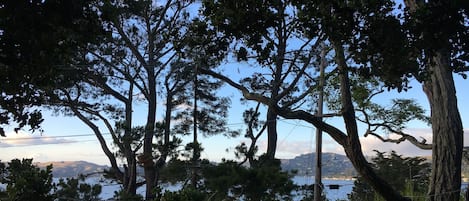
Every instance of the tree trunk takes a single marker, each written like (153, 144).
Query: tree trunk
(149, 164)
(130, 186)
(147, 158)
(352, 145)
(445, 181)
(271, 133)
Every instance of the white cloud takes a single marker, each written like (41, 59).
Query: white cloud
(25, 139)
(371, 143)
(292, 148)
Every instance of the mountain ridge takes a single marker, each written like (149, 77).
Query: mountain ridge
(72, 168)
(334, 165)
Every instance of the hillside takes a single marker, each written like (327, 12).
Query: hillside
(334, 165)
(72, 168)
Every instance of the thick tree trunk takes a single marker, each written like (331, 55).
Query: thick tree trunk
(445, 181)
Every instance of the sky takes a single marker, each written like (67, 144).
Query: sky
(68, 139)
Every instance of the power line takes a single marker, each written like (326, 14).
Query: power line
(49, 143)
(50, 137)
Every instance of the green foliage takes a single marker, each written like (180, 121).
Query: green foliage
(264, 181)
(186, 194)
(230, 181)
(26, 182)
(174, 171)
(40, 42)
(122, 195)
(245, 20)
(408, 175)
(439, 25)
(390, 118)
(74, 188)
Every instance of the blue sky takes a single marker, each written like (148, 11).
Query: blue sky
(67, 138)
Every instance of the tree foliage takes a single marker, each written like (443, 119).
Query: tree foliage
(108, 56)
(409, 175)
(76, 189)
(259, 34)
(40, 41)
(230, 181)
(25, 181)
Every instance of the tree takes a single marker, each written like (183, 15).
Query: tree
(409, 175)
(262, 31)
(25, 181)
(125, 68)
(334, 20)
(39, 41)
(208, 110)
(251, 119)
(375, 39)
(76, 189)
(431, 40)
(229, 180)
(263, 181)
(438, 61)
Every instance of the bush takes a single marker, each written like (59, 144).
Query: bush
(409, 175)
(25, 182)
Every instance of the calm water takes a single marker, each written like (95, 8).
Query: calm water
(345, 187)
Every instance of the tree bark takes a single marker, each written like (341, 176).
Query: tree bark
(130, 186)
(148, 162)
(272, 133)
(352, 145)
(147, 157)
(448, 133)
(445, 181)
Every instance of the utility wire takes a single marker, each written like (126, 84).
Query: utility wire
(50, 137)
(48, 143)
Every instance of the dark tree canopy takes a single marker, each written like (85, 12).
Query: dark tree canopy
(40, 42)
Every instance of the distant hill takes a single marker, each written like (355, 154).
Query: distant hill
(72, 168)
(333, 165)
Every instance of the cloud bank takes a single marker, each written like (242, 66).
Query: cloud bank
(22, 139)
(292, 148)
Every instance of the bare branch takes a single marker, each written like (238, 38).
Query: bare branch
(339, 136)
(420, 144)
(372, 127)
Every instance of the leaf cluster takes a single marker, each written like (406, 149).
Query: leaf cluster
(75, 188)
(399, 171)
(40, 41)
(24, 181)
(230, 181)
